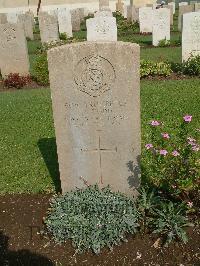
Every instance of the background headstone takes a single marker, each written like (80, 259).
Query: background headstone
(48, 27)
(146, 19)
(191, 35)
(197, 7)
(182, 10)
(81, 14)
(161, 25)
(3, 18)
(96, 106)
(13, 50)
(103, 14)
(173, 6)
(101, 29)
(170, 7)
(183, 4)
(65, 22)
(76, 20)
(133, 14)
(27, 24)
(103, 4)
(120, 6)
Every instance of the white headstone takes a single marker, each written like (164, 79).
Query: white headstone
(48, 27)
(76, 20)
(27, 24)
(161, 25)
(146, 19)
(103, 14)
(13, 50)
(95, 90)
(191, 35)
(101, 29)
(13, 17)
(183, 4)
(64, 22)
(173, 5)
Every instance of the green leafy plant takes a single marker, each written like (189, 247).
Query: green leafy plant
(146, 203)
(92, 218)
(170, 221)
(149, 68)
(192, 66)
(164, 43)
(173, 163)
(63, 36)
(40, 70)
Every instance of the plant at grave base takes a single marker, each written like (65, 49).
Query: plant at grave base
(40, 70)
(192, 66)
(149, 68)
(14, 80)
(164, 43)
(47, 46)
(177, 67)
(63, 36)
(173, 161)
(146, 203)
(170, 220)
(92, 218)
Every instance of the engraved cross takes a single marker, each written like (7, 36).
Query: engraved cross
(100, 150)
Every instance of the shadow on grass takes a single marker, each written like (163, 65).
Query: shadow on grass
(21, 257)
(48, 150)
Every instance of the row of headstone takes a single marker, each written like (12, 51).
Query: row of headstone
(57, 21)
(103, 27)
(190, 35)
(13, 50)
(155, 21)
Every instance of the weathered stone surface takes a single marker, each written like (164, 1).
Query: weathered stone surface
(48, 27)
(27, 24)
(146, 19)
(13, 50)
(173, 6)
(161, 25)
(103, 4)
(183, 4)
(13, 17)
(132, 14)
(3, 18)
(120, 6)
(182, 10)
(101, 29)
(103, 14)
(76, 21)
(193, 2)
(197, 7)
(170, 7)
(191, 35)
(65, 22)
(82, 14)
(96, 106)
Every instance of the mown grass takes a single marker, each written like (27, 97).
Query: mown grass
(27, 144)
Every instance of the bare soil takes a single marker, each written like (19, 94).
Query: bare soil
(21, 220)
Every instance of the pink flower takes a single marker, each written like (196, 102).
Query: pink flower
(155, 123)
(149, 146)
(163, 152)
(191, 139)
(165, 135)
(190, 204)
(187, 118)
(196, 148)
(175, 153)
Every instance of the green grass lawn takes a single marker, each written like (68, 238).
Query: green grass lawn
(28, 151)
